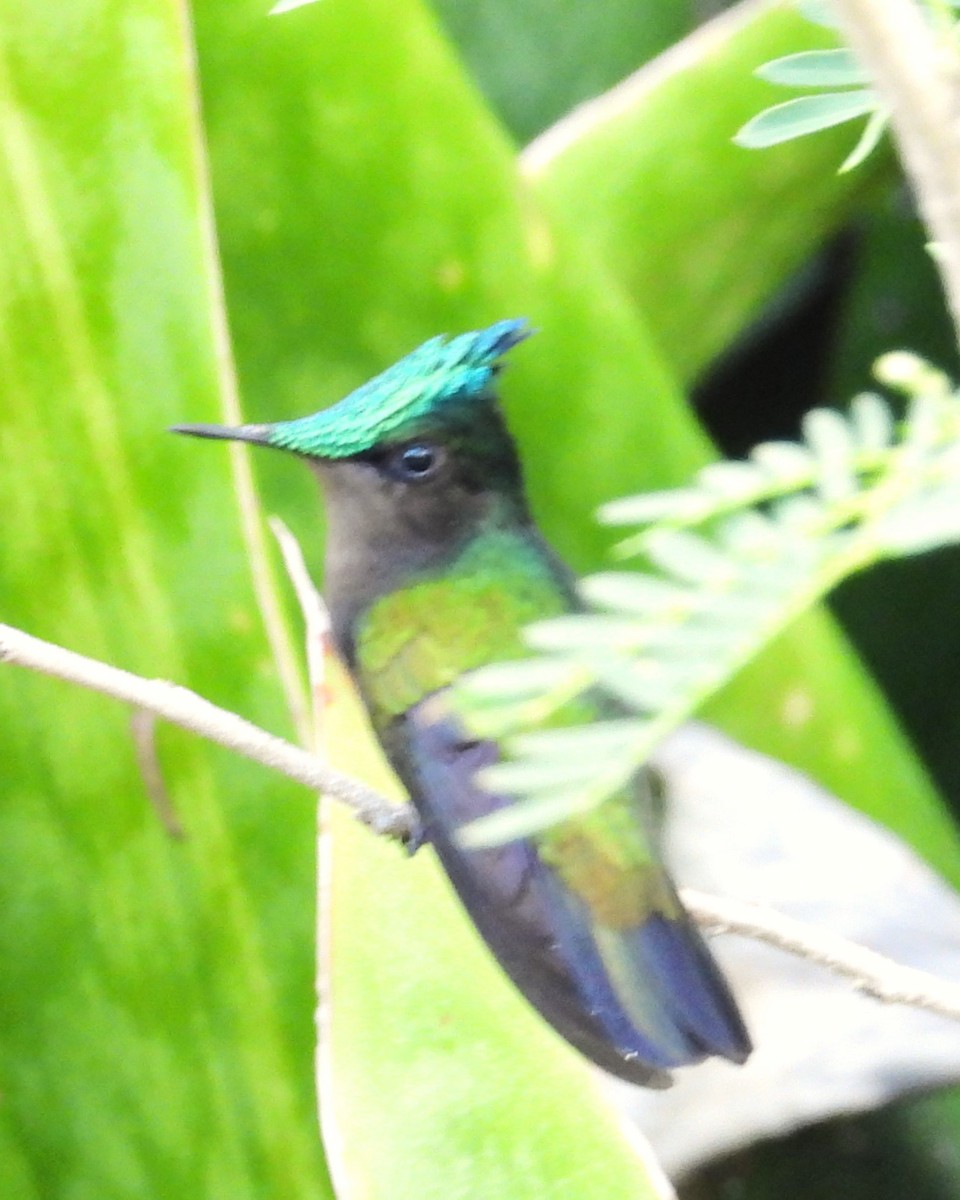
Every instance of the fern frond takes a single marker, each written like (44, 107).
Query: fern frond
(730, 561)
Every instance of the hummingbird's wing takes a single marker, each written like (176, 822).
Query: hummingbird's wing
(637, 1001)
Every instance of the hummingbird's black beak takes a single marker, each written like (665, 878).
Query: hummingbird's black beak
(258, 434)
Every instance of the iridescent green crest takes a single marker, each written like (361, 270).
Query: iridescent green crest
(440, 372)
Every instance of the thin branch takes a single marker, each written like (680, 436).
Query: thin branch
(868, 971)
(143, 727)
(182, 707)
(917, 73)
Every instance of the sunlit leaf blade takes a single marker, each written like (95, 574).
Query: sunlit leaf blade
(431, 236)
(699, 246)
(563, 60)
(912, 375)
(819, 11)
(687, 557)
(749, 532)
(531, 778)
(642, 686)
(784, 460)
(155, 999)
(285, 6)
(803, 115)
(815, 68)
(597, 740)
(541, 808)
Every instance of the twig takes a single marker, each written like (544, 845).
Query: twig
(869, 971)
(143, 726)
(917, 73)
(182, 707)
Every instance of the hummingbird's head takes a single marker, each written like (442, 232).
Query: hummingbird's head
(415, 460)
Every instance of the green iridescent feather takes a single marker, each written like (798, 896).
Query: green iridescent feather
(440, 372)
(420, 638)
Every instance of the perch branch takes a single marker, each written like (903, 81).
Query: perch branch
(869, 971)
(182, 707)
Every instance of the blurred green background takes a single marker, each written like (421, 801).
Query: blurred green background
(330, 187)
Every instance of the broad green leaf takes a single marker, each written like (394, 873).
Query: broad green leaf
(701, 232)
(155, 994)
(534, 60)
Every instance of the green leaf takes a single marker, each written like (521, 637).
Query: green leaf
(804, 115)
(732, 480)
(157, 1037)
(155, 997)
(699, 232)
(632, 592)
(651, 506)
(519, 679)
(829, 437)
(872, 422)
(821, 12)
(815, 68)
(535, 60)
(873, 131)
(587, 633)
(415, 224)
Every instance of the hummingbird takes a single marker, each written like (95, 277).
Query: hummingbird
(433, 567)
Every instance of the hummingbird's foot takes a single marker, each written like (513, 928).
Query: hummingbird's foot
(417, 837)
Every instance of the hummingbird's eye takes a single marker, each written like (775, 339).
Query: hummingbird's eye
(417, 461)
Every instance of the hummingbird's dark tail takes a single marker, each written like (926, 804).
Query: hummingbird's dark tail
(637, 999)
(655, 987)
